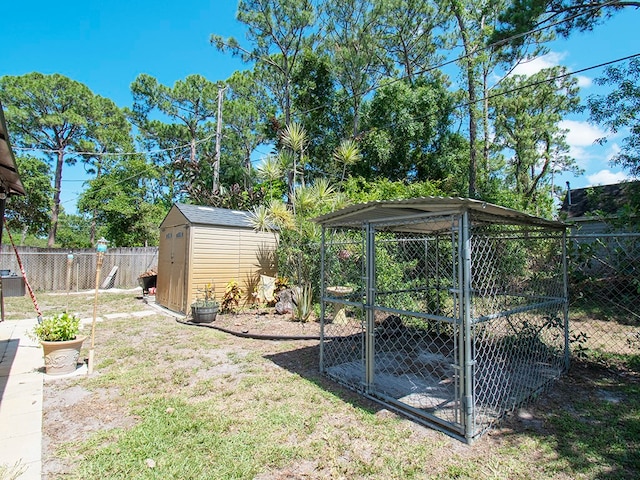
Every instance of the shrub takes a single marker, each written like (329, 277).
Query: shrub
(231, 299)
(58, 328)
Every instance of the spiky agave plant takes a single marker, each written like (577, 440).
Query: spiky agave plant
(303, 302)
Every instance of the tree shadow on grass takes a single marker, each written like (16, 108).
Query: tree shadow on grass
(590, 418)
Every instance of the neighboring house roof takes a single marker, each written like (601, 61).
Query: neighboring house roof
(408, 210)
(9, 177)
(607, 200)
(201, 215)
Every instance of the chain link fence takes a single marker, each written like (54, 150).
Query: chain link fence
(604, 293)
(455, 324)
(53, 270)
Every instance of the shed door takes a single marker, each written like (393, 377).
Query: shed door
(174, 263)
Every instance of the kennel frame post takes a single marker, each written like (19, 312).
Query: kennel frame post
(370, 283)
(322, 295)
(468, 361)
(565, 309)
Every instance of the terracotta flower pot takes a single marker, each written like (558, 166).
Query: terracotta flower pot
(61, 357)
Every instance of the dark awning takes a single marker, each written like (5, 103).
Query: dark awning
(10, 182)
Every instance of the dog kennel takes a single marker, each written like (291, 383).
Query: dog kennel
(452, 311)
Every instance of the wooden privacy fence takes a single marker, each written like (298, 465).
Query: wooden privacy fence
(47, 269)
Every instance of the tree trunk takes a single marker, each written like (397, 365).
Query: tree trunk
(216, 162)
(56, 198)
(485, 115)
(471, 90)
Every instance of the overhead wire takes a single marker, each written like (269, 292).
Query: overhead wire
(116, 154)
(535, 83)
(467, 55)
(376, 87)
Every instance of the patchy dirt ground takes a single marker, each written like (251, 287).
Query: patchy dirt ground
(75, 409)
(72, 413)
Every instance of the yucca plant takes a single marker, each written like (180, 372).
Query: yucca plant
(303, 302)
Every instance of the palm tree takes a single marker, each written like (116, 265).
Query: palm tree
(270, 170)
(294, 137)
(347, 154)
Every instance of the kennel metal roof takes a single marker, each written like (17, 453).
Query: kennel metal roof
(405, 215)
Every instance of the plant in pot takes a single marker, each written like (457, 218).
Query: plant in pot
(61, 342)
(205, 309)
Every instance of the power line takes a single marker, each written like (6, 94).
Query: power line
(462, 57)
(116, 154)
(533, 84)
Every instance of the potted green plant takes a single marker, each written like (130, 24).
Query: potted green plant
(61, 342)
(205, 309)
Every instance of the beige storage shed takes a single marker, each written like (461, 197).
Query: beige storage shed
(201, 245)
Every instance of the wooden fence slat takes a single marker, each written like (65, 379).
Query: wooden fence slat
(46, 268)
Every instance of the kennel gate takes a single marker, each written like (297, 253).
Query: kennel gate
(452, 311)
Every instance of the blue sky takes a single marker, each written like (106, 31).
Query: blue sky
(105, 45)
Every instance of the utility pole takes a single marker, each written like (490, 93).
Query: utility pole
(216, 162)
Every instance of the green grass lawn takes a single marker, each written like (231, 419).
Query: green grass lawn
(174, 401)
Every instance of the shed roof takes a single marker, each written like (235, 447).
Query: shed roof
(224, 217)
(607, 199)
(397, 211)
(9, 178)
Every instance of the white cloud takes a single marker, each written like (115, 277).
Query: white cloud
(584, 82)
(581, 137)
(580, 133)
(532, 66)
(607, 177)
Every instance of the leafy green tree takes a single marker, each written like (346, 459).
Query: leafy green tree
(124, 206)
(30, 214)
(351, 38)
(472, 29)
(185, 141)
(110, 136)
(360, 190)
(407, 35)
(526, 113)
(246, 113)
(315, 102)
(277, 33)
(74, 231)
(564, 16)
(406, 126)
(56, 115)
(620, 109)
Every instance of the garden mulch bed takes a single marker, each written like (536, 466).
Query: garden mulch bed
(265, 324)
